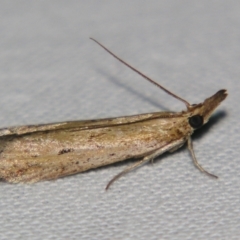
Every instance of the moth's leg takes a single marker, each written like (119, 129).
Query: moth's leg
(130, 168)
(190, 147)
(148, 158)
(145, 160)
(173, 149)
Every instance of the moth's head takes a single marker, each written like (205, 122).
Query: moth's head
(200, 113)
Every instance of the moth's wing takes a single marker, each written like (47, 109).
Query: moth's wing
(18, 165)
(84, 124)
(52, 166)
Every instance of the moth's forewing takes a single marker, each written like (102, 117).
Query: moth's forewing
(33, 153)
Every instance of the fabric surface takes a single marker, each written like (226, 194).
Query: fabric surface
(50, 71)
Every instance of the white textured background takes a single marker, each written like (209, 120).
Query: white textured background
(50, 71)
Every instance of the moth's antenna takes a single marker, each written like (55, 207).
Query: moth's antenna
(146, 77)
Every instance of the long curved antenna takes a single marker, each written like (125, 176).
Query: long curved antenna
(144, 76)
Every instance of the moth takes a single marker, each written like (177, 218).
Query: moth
(43, 152)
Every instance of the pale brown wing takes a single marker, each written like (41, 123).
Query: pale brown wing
(85, 124)
(40, 155)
